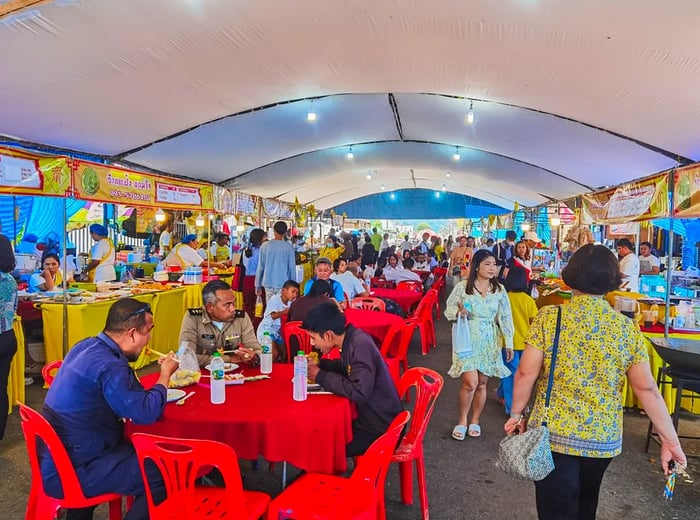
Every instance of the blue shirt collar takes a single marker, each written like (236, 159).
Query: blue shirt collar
(111, 345)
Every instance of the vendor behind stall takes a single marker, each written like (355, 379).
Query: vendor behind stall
(101, 265)
(220, 251)
(185, 254)
(50, 276)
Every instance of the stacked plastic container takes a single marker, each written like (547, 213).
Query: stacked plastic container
(192, 275)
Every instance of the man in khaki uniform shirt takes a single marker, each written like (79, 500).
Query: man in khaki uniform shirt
(218, 325)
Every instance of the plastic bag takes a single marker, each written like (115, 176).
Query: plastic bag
(189, 372)
(258, 307)
(461, 337)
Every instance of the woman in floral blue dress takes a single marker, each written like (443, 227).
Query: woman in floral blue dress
(485, 304)
(8, 307)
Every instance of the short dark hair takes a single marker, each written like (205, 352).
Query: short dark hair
(7, 255)
(210, 290)
(280, 227)
(516, 280)
(489, 241)
(336, 263)
(256, 237)
(354, 256)
(624, 242)
(50, 255)
(648, 244)
(408, 263)
(321, 287)
(510, 235)
(323, 318)
(290, 283)
(593, 269)
(126, 314)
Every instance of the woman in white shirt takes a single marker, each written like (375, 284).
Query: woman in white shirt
(185, 254)
(101, 265)
(50, 276)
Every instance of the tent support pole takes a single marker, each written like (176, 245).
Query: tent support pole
(669, 257)
(65, 282)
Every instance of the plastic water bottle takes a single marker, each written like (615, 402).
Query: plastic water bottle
(218, 385)
(266, 354)
(300, 371)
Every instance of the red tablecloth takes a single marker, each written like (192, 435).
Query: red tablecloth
(261, 418)
(406, 299)
(374, 323)
(423, 274)
(26, 310)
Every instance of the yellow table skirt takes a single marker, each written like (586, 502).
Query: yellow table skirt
(15, 384)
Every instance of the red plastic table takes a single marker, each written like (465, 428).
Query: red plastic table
(261, 418)
(374, 323)
(406, 299)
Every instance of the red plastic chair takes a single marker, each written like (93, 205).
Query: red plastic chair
(40, 505)
(438, 287)
(292, 329)
(361, 496)
(370, 304)
(49, 371)
(424, 319)
(394, 347)
(428, 385)
(181, 462)
(409, 285)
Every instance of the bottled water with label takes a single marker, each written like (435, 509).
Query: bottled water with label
(300, 375)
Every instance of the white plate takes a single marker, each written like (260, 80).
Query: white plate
(228, 367)
(175, 394)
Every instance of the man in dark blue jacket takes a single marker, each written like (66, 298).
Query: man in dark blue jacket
(360, 374)
(94, 390)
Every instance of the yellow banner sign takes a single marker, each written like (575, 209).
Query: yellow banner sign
(22, 173)
(97, 182)
(632, 202)
(686, 192)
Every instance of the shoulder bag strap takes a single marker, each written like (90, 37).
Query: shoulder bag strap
(550, 382)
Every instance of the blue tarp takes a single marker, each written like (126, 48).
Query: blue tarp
(418, 204)
(37, 215)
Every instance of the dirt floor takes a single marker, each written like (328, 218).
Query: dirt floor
(463, 481)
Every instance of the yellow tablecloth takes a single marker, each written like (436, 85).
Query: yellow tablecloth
(193, 297)
(308, 272)
(15, 384)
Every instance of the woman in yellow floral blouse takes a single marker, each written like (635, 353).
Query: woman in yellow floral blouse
(597, 348)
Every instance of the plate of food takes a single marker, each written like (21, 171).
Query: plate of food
(234, 379)
(175, 394)
(228, 367)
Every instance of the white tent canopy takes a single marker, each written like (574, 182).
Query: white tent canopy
(567, 96)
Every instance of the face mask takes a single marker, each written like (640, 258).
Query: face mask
(329, 244)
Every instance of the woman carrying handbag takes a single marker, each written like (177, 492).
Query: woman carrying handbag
(596, 348)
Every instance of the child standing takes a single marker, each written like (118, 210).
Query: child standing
(277, 307)
(524, 311)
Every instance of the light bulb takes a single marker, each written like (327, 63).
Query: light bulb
(383, 187)
(444, 187)
(456, 155)
(525, 226)
(470, 115)
(350, 155)
(160, 215)
(555, 221)
(369, 176)
(448, 175)
(311, 116)
(199, 221)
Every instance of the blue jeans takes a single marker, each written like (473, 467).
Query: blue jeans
(505, 390)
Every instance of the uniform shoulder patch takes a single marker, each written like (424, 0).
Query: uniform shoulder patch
(240, 313)
(197, 311)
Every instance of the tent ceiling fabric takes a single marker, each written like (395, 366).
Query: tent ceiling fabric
(76, 79)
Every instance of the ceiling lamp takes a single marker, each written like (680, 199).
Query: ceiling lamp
(444, 187)
(470, 115)
(448, 175)
(456, 156)
(383, 187)
(350, 155)
(199, 221)
(525, 226)
(369, 175)
(160, 215)
(311, 115)
(555, 221)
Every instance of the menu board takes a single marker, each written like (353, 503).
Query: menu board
(172, 194)
(17, 171)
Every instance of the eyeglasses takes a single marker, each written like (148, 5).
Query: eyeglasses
(145, 308)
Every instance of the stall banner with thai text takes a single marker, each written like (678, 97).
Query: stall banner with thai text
(224, 200)
(102, 183)
(22, 173)
(686, 193)
(632, 202)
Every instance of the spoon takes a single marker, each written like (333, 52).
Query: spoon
(182, 401)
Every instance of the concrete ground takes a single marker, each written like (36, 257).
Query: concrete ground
(463, 481)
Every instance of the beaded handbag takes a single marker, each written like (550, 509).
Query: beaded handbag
(528, 455)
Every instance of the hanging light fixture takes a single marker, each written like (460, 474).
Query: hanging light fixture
(350, 155)
(456, 156)
(444, 187)
(525, 226)
(383, 187)
(448, 174)
(311, 115)
(160, 215)
(470, 114)
(555, 221)
(369, 175)
(199, 221)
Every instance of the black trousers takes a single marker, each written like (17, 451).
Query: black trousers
(8, 347)
(570, 492)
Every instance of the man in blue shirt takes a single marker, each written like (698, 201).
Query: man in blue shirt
(324, 270)
(276, 264)
(94, 389)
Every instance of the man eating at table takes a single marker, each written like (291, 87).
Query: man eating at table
(220, 326)
(360, 374)
(94, 389)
